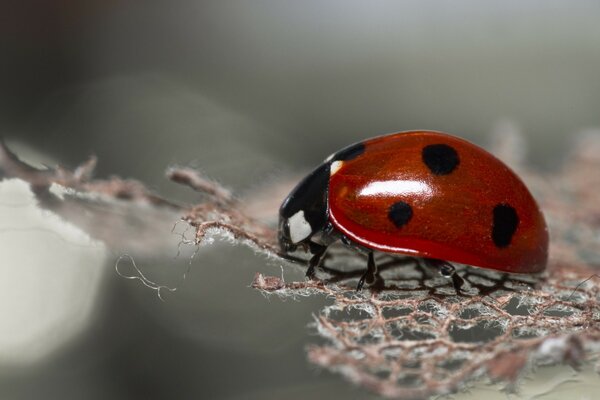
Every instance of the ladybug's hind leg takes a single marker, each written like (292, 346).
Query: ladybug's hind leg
(369, 275)
(447, 270)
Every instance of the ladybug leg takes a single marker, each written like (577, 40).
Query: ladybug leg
(369, 275)
(447, 270)
(315, 261)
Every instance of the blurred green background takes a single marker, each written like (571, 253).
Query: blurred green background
(248, 91)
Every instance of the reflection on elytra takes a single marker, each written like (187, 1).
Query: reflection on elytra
(397, 187)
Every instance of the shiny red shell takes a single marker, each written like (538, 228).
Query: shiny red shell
(452, 215)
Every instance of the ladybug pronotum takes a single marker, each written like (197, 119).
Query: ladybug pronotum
(424, 194)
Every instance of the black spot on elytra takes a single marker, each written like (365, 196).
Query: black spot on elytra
(400, 213)
(349, 153)
(505, 224)
(441, 159)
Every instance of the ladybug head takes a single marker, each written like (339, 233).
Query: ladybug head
(304, 211)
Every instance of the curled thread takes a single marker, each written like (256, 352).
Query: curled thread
(141, 277)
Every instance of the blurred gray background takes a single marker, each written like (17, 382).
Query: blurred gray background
(248, 91)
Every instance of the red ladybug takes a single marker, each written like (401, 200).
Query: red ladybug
(419, 193)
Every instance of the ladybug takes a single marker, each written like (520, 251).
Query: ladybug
(425, 194)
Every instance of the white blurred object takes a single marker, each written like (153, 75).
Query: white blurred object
(51, 273)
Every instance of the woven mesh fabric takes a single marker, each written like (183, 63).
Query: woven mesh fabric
(409, 335)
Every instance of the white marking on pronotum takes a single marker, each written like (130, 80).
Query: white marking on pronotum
(335, 167)
(300, 229)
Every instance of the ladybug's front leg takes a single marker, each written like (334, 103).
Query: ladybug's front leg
(315, 261)
(369, 275)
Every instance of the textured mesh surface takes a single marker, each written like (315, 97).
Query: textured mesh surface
(414, 338)
(409, 335)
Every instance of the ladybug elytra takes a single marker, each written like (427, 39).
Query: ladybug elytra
(425, 194)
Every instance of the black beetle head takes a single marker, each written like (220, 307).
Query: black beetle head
(304, 212)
